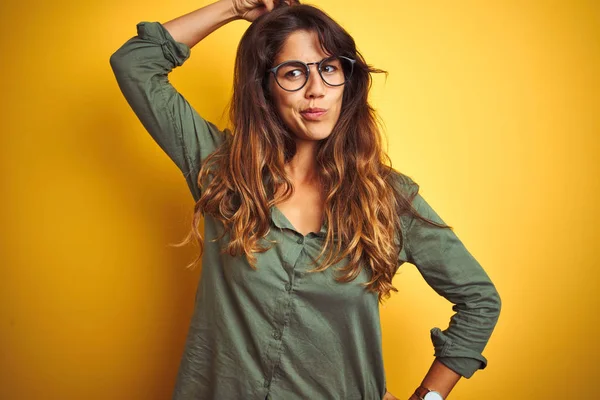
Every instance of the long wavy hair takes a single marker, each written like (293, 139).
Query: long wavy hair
(363, 202)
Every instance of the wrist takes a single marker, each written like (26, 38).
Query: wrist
(424, 393)
(231, 13)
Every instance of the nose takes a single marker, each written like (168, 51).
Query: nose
(315, 87)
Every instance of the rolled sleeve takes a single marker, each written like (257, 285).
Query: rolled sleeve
(141, 66)
(450, 269)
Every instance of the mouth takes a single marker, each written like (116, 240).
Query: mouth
(313, 114)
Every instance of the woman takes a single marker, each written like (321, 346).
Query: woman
(305, 226)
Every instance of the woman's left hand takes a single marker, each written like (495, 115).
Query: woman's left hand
(389, 396)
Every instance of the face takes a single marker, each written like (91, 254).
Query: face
(304, 46)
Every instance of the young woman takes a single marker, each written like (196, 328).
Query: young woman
(304, 224)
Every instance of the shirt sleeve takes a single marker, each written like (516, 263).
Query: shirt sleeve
(450, 269)
(141, 66)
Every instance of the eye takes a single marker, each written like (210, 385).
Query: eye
(295, 73)
(291, 71)
(329, 68)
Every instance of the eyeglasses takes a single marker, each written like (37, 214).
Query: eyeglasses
(292, 75)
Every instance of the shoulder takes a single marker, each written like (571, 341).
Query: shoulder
(405, 184)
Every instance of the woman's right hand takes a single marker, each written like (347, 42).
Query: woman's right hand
(252, 9)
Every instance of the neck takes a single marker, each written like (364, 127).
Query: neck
(302, 169)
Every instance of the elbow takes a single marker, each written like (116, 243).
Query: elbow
(498, 300)
(119, 62)
(116, 61)
(487, 305)
(495, 305)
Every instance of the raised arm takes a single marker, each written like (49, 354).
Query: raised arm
(142, 65)
(196, 25)
(191, 28)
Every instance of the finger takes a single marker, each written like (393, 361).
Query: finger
(269, 4)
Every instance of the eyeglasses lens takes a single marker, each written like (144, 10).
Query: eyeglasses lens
(335, 71)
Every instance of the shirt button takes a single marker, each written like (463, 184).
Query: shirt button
(277, 335)
(288, 286)
(301, 240)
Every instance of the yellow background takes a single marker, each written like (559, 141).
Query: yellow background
(492, 106)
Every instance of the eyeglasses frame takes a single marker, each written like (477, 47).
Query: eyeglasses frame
(319, 64)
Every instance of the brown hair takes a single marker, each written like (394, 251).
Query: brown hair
(363, 199)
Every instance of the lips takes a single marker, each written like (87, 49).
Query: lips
(314, 110)
(313, 114)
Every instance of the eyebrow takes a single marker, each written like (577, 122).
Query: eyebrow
(295, 59)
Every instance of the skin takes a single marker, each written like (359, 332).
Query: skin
(194, 26)
(304, 208)
(304, 46)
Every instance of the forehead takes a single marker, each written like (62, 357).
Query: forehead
(301, 45)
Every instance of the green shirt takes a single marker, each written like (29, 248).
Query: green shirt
(280, 332)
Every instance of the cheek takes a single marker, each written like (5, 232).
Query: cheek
(286, 105)
(338, 105)
(285, 110)
(279, 104)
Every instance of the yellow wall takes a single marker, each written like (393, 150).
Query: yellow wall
(492, 106)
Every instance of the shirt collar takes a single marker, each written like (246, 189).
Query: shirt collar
(281, 221)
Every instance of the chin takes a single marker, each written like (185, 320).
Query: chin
(317, 135)
(317, 132)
